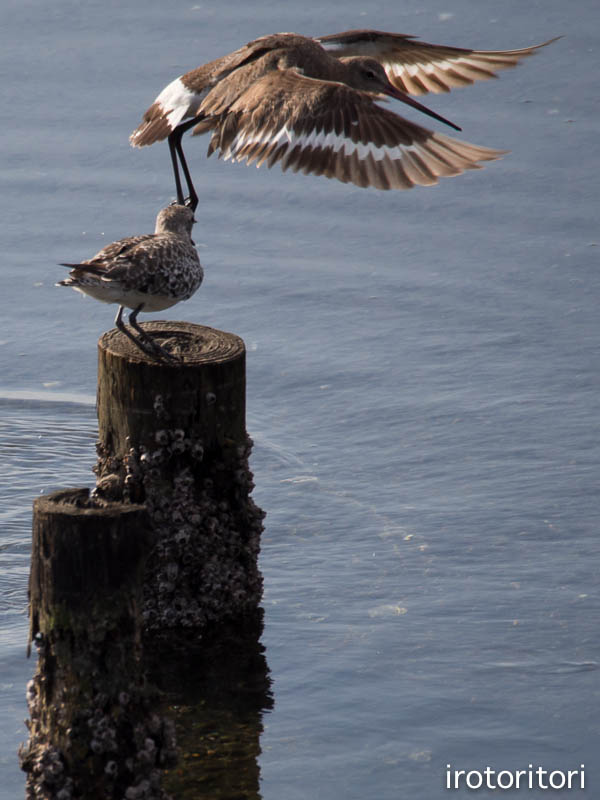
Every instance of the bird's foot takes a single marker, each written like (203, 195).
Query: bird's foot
(162, 353)
(191, 201)
(149, 347)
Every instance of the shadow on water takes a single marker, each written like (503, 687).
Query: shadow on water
(216, 692)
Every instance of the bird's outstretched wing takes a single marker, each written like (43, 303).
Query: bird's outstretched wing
(327, 128)
(417, 67)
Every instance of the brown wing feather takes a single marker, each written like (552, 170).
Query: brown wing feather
(417, 67)
(103, 262)
(328, 128)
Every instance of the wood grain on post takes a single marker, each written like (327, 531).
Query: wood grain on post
(85, 557)
(205, 392)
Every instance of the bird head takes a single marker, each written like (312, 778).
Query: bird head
(368, 75)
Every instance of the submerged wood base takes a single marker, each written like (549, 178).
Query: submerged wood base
(93, 732)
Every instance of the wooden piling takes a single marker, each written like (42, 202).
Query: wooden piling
(173, 436)
(161, 556)
(93, 732)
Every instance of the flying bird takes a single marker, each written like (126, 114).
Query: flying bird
(310, 105)
(150, 272)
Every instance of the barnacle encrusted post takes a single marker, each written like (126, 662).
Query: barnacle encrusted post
(93, 730)
(172, 435)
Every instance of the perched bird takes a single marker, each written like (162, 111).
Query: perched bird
(309, 104)
(150, 272)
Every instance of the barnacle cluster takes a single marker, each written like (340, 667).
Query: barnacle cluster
(206, 528)
(111, 746)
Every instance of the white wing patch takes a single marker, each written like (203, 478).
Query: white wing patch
(441, 75)
(333, 46)
(179, 102)
(316, 140)
(244, 139)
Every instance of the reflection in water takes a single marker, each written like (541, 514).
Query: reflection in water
(216, 692)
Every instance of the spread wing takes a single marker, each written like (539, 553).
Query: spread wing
(417, 67)
(330, 129)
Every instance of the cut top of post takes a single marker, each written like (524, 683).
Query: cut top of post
(204, 394)
(191, 344)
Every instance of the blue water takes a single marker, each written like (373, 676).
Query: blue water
(423, 384)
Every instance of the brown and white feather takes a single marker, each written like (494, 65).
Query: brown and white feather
(418, 68)
(293, 100)
(327, 128)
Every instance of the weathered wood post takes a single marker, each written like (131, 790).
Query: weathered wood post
(159, 560)
(173, 436)
(93, 730)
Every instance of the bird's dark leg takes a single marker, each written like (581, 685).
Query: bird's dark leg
(147, 340)
(134, 323)
(123, 328)
(143, 341)
(173, 151)
(177, 153)
(192, 199)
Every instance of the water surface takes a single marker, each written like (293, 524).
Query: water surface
(422, 384)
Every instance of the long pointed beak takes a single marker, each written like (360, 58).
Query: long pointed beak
(404, 98)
